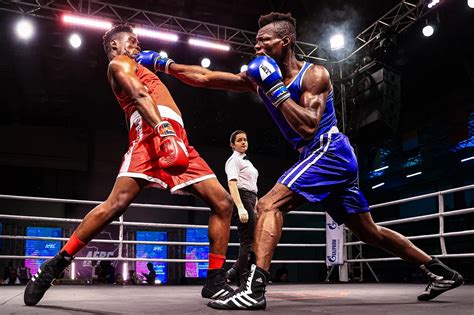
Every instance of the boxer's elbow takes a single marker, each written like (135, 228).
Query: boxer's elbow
(203, 81)
(138, 95)
(308, 131)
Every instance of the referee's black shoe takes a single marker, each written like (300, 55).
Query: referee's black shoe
(442, 279)
(44, 278)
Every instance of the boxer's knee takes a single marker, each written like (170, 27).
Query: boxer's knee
(265, 205)
(372, 236)
(116, 205)
(223, 206)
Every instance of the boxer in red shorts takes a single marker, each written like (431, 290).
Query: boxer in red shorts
(159, 155)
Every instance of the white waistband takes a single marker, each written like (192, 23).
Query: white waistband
(165, 112)
(333, 129)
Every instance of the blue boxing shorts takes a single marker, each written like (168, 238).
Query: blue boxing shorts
(327, 172)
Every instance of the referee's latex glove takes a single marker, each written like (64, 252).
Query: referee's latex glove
(243, 214)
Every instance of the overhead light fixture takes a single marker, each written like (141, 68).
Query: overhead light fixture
(428, 30)
(205, 62)
(243, 68)
(470, 3)
(432, 3)
(337, 42)
(414, 174)
(208, 44)
(75, 40)
(381, 168)
(170, 37)
(24, 29)
(378, 185)
(85, 21)
(467, 159)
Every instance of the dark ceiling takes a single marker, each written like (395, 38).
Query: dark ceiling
(45, 82)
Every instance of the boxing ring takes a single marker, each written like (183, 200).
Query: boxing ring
(294, 298)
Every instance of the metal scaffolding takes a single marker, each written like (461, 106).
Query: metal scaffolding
(241, 41)
(395, 21)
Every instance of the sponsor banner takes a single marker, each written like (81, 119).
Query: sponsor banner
(89, 270)
(334, 242)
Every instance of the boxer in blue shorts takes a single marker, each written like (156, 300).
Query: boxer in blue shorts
(299, 97)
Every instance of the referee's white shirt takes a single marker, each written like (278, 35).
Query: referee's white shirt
(241, 170)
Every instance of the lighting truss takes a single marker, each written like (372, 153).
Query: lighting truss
(241, 41)
(395, 21)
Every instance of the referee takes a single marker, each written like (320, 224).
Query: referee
(242, 179)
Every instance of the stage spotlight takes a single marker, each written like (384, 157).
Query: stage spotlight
(73, 271)
(243, 68)
(337, 42)
(470, 3)
(428, 30)
(432, 3)
(414, 174)
(125, 271)
(84, 21)
(163, 54)
(378, 185)
(205, 62)
(75, 40)
(207, 44)
(155, 34)
(24, 29)
(381, 168)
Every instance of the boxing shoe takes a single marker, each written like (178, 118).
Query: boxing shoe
(249, 296)
(232, 276)
(44, 278)
(216, 286)
(441, 279)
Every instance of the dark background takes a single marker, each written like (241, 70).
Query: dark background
(63, 133)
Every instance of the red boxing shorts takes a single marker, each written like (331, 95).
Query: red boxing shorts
(141, 159)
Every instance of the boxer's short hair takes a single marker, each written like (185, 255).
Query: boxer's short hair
(113, 32)
(285, 24)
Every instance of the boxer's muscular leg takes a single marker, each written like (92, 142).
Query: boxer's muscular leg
(220, 202)
(270, 210)
(362, 225)
(123, 193)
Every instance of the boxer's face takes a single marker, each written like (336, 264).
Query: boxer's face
(127, 44)
(240, 144)
(269, 42)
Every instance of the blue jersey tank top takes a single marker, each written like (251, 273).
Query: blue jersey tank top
(328, 118)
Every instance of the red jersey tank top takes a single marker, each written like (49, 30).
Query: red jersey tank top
(157, 90)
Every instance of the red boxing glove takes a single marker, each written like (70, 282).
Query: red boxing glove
(174, 157)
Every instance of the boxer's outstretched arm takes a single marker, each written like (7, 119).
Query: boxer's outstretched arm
(304, 119)
(202, 77)
(122, 73)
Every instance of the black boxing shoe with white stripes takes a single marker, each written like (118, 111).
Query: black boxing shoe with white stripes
(250, 296)
(232, 276)
(442, 279)
(216, 286)
(44, 278)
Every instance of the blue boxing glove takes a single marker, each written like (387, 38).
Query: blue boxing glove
(154, 61)
(265, 72)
